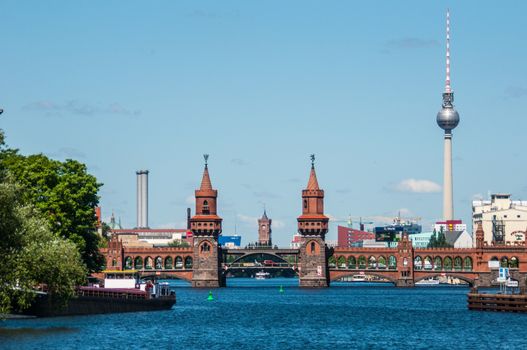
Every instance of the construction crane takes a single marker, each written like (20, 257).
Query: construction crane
(352, 219)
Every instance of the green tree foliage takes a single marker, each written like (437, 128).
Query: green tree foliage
(438, 241)
(32, 255)
(178, 243)
(64, 193)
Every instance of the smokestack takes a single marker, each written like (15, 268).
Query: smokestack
(188, 218)
(142, 198)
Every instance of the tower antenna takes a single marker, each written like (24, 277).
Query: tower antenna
(448, 88)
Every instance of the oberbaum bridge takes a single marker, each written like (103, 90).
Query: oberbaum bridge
(205, 263)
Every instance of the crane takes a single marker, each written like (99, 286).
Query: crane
(352, 219)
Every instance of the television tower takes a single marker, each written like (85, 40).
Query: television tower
(448, 119)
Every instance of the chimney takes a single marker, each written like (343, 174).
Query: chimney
(142, 198)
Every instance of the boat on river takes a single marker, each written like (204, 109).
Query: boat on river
(427, 282)
(262, 275)
(123, 291)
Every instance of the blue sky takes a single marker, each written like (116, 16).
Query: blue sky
(128, 85)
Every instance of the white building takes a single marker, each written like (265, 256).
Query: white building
(503, 219)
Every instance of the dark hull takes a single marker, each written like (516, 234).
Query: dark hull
(90, 305)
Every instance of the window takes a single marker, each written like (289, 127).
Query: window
(206, 209)
(305, 203)
(313, 247)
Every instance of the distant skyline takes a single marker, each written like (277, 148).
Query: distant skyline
(123, 86)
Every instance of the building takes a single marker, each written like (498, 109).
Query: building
(448, 119)
(450, 225)
(155, 237)
(459, 239)
(295, 242)
(503, 219)
(347, 236)
(230, 241)
(390, 233)
(264, 230)
(421, 240)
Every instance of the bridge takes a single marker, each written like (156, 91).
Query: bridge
(403, 265)
(206, 263)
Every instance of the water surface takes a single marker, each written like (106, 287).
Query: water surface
(252, 314)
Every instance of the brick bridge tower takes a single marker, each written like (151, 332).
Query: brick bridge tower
(264, 230)
(313, 226)
(206, 226)
(405, 252)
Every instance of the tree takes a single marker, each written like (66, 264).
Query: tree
(433, 240)
(178, 243)
(32, 255)
(64, 193)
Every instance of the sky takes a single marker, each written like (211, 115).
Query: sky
(129, 85)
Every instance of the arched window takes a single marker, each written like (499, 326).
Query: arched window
(362, 262)
(448, 263)
(381, 263)
(138, 263)
(418, 263)
(159, 263)
(114, 262)
(128, 263)
(205, 247)
(341, 262)
(392, 262)
(467, 265)
(179, 262)
(428, 263)
(188, 262)
(504, 262)
(313, 247)
(305, 203)
(514, 263)
(457, 263)
(352, 262)
(148, 263)
(372, 262)
(168, 263)
(405, 262)
(206, 209)
(438, 263)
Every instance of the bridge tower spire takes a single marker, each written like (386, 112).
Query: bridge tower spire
(313, 226)
(206, 227)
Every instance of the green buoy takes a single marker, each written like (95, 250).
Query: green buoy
(281, 290)
(210, 297)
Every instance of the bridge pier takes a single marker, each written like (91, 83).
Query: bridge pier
(405, 283)
(313, 268)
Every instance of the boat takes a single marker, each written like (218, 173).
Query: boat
(358, 278)
(123, 291)
(262, 275)
(427, 282)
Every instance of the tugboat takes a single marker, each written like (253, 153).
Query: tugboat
(123, 291)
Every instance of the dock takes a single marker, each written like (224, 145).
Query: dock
(497, 302)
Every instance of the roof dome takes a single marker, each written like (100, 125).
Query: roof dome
(447, 118)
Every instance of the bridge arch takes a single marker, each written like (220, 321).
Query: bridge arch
(128, 263)
(469, 280)
(258, 254)
(168, 263)
(375, 273)
(158, 263)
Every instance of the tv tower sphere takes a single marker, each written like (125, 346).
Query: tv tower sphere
(447, 117)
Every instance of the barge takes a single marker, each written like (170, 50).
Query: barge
(122, 292)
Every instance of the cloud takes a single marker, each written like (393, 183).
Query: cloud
(79, 108)
(408, 44)
(417, 186)
(238, 161)
(68, 152)
(247, 219)
(516, 92)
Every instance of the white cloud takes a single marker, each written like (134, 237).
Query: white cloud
(418, 186)
(247, 219)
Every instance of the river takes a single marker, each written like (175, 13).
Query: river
(251, 314)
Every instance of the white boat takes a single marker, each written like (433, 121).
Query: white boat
(358, 278)
(262, 275)
(427, 282)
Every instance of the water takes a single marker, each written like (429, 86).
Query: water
(253, 314)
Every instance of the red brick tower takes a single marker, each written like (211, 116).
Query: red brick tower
(206, 226)
(313, 226)
(264, 230)
(405, 263)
